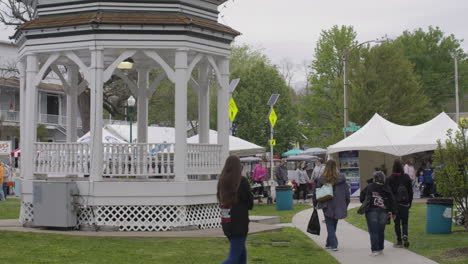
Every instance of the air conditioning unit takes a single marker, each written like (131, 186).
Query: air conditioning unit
(54, 204)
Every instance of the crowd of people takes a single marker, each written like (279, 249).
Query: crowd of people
(388, 197)
(422, 180)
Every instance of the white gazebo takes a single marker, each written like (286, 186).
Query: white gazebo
(134, 187)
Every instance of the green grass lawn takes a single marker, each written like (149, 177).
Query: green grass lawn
(10, 208)
(270, 210)
(437, 247)
(287, 246)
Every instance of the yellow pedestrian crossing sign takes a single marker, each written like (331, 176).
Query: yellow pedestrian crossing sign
(272, 142)
(273, 117)
(232, 109)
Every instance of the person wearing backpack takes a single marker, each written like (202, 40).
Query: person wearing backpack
(400, 184)
(382, 205)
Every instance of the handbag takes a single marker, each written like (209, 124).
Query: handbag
(365, 204)
(314, 224)
(324, 193)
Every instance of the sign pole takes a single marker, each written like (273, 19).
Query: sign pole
(272, 117)
(271, 147)
(232, 105)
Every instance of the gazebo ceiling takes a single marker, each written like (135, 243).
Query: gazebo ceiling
(113, 18)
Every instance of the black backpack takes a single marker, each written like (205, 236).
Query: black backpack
(402, 195)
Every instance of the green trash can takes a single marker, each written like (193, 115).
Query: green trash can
(439, 216)
(284, 198)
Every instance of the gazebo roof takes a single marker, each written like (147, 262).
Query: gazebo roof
(114, 18)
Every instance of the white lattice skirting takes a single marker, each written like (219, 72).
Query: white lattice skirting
(143, 217)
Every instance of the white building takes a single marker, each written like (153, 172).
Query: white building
(51, 101)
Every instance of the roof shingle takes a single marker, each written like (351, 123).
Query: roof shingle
(126, 19)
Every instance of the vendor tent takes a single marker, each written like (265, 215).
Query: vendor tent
(107, 137)
(292, 152)
(384, 136)
(302, 158)
(16, 153)
(314, 151)
(237, 146)
(156, 135)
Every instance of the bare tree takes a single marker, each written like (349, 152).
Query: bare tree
(17, 12)
(288, 70)
(8, 69)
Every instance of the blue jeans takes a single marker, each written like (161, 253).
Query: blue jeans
(332, 240)
(237, 251)
(401, 218)
(5, 189)
(376, 221)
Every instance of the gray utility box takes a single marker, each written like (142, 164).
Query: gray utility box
(53, 204)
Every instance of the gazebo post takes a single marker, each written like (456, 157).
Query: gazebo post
(203, 104)
(142, 100)
(22, 78)
(72, 104)
(29, 125)
(223, 103)
(180, 156)
(97, 149)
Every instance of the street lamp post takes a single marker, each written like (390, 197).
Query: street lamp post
(457, 104)
(131, 104)
(345, 78)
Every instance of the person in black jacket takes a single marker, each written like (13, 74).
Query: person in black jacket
(235, 200)
(400, 184)
(382, 204)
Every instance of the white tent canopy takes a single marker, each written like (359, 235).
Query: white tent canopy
(156, 135)
(160, 135)
(237, 145)
(314, 151)
(107, 137)
(382, 135)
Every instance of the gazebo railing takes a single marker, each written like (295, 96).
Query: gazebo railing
(139, 160)
(62, 158)
(204, 159)
(142, 160)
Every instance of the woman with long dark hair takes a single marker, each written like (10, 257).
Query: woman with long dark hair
(235, 200)
(337, 207)
(400, 184)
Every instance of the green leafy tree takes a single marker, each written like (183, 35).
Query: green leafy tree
(384, 82)
(322, 103)
(161, 108)
(432, 52)
(451, 175)
(260, 79)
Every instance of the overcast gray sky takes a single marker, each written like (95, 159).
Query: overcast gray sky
(290, 28)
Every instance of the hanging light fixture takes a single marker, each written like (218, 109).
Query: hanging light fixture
(127, 64)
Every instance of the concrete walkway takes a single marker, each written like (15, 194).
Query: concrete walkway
(354, 243)
(14, 225)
